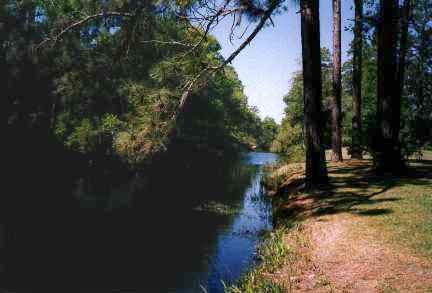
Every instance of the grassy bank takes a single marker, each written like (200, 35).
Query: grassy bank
(388, 219)
(399, 207)
(279, 250)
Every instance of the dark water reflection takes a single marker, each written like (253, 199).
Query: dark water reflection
(174, 230)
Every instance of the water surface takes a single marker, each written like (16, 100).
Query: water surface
(179, 230)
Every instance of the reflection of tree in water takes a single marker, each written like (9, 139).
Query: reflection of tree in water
(159, 234)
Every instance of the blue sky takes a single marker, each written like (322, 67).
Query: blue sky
(267, 65)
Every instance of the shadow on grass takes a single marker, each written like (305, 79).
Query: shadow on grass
(374, 212)
(350, 186)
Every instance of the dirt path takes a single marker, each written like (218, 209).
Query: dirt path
(344, 260)
(345, 253)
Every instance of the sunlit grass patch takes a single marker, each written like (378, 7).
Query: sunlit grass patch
(410, 222)
(400, 209)
(276, 176)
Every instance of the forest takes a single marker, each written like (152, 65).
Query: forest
(359, 106)
(110, 89)
(116, 85)
(99, 95)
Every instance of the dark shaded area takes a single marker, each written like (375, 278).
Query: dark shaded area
(78, 214)
(374, 212)
(70, 227)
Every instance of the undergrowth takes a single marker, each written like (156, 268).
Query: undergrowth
(271, 255)
(275, 254)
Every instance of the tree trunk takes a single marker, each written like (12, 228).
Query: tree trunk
(403, 43)
(356, 151)
(403, 50)
(316, 171)
(336, 117)
(400, 78)
(388, 156)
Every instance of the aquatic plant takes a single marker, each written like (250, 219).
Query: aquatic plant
(217, 208)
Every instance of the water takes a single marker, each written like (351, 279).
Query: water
(236, 243)
(188, 229)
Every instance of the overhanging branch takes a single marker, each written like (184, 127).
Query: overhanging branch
(82, 22)
(212, 69)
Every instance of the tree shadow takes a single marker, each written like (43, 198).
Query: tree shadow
(374, 212)
(350, 187)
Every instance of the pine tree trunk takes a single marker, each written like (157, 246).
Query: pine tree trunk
(356, 151)
(388, 109)
(336, 114)
(401, 64)
(316, 171)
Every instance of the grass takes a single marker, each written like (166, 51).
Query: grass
(400, 209)
(217, 208)
(277, 174)
(396, 210)
(273, 254)
(410, 221)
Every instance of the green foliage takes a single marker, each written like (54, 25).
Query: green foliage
(83, 137)
(112, 86)
(111, 124)
(269, 130)
(415, 123)
(289, 140)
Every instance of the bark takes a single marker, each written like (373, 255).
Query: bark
(403, 48)
(356, 151)
(400, 78)
(6, 102)
(316, 171)
(388, 156)
(336, 114)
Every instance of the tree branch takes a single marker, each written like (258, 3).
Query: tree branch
(82, 22)
(172, 43)
(212, 69)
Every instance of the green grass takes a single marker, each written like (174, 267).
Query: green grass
(398, 210)
(272, 254)
(410, 222)
(276, 174)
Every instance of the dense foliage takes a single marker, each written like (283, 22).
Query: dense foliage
(289, 139)
(110, 89)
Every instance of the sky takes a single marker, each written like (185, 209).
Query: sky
(267, 65)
